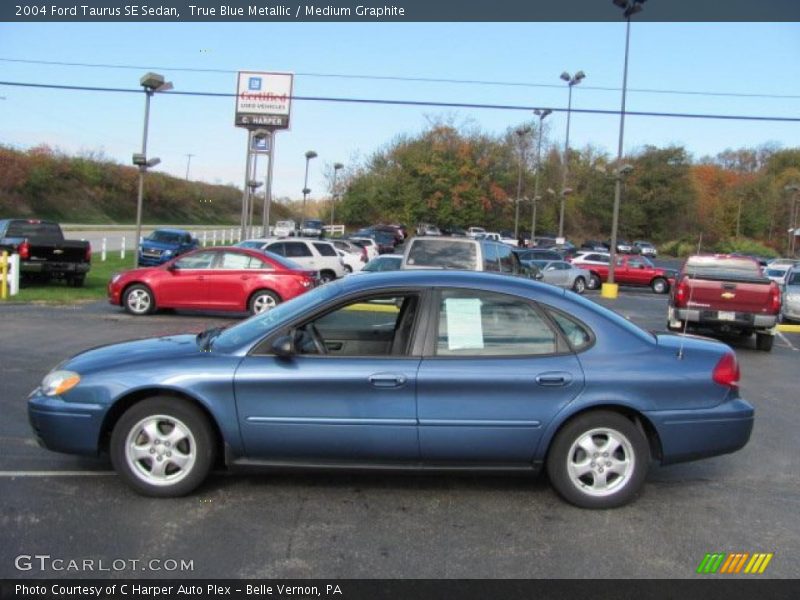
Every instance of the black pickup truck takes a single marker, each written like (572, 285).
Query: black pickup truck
(44, 254)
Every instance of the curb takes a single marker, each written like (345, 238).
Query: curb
(784, 328)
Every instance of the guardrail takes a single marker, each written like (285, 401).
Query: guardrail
(9, 275)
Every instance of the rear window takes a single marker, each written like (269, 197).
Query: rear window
(442, 254)
(27, 229)
(722, 266)
(325, 249)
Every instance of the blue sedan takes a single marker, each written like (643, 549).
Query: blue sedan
(440, 370)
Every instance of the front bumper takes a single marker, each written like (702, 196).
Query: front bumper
(65, 426)
(692, 434)
(720, 319)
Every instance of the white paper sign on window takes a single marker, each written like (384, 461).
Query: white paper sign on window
(464, 327)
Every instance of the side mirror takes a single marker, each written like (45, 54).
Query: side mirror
(284, 346)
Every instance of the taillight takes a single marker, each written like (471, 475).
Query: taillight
(364, 257)
(24, 250)
(727, 371)
(774, 298)
(681, 293)
(88, 255)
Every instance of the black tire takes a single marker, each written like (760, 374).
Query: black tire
(139, 300)
(349, 269)
(630, 452)
(262, 301)
(594, 282)
(77, 280)
(764, 341)
(579, 285)
(183, 435)
(660, 285)
(327, 276)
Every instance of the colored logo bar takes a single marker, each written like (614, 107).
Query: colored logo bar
(735, 563)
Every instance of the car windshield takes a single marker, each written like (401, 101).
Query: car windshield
(442, 254)
(165, 237)
(254, 328)
(722, 266)
(250, 244)
(793, 278)
(313, 224)
(285, 224)
(776, 272)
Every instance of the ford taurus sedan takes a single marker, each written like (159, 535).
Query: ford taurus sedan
(221, 278)
(404, 370)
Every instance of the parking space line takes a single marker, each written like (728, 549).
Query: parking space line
(55, 473)
(787, 342)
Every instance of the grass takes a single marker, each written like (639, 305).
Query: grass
(94, 288)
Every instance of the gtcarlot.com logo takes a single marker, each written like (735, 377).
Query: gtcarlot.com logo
(735, 563)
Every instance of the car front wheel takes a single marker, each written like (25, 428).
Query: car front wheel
(594, 282)
(598, 460)
(138, 300)
(163, 447)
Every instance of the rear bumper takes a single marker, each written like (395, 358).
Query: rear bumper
(692, 434)
(65, 426)
(711, 319)
(55, 267)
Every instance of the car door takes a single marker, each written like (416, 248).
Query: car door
(230, 280)
(494, 375)
(184, 283)
(346, 393)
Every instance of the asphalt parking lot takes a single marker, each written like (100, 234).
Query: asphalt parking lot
(337, 525)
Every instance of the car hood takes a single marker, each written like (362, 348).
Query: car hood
(151, 350)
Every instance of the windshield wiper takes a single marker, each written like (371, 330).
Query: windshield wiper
(206, 338)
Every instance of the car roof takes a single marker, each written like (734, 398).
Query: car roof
(172, 230)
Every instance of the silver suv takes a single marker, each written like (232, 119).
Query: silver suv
(460, 253)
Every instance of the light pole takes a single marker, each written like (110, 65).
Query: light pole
(793, 188)
(309, 155)
(541, 113)
(572, 80)
(521, 133)
(188, 162)
(152, 83)
(629, 7)
(336, 167)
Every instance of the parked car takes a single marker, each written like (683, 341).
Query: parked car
(44, 254)
(220, 278)
(474, 232)
(431, 230)
(370, 245)
(351, 248)
(285, 229)
(384, 262)
(312, 228)
(460, 253)
(352, 262)
(315, 255)
(790, 307)
(725, 294)
(400, 370)
(646, 248)
(528, 254)
(776, 273)
(628, 270)
(163, 245)
(624, 247)
(562, 274)
(594, 246)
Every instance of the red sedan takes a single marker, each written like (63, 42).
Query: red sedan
(235, 279)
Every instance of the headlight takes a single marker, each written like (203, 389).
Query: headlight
(59, 382)
(166, 252)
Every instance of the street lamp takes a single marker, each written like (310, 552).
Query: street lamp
(306, 191)
(521, 133)
(629, 7)
(541, 113)
(152, 83)
(336, 167)
(572, 80)
(793, 188)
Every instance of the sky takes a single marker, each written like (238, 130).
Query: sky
(748, 60)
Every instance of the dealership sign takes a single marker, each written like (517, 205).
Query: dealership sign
(263, 100)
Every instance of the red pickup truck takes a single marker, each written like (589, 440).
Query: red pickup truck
(629, 270)
(726, 294)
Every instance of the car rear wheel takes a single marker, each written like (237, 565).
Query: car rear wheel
(138, 300)
(327, 276)
(764, 341)
(262, 301)
(348, 268)
(659, 285)
(163, 447)
(598, 460)
(579, 286)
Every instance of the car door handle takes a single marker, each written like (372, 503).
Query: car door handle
(553, 379)
(387, 380)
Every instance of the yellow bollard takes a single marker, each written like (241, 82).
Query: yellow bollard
(4, 275)
(609, 290)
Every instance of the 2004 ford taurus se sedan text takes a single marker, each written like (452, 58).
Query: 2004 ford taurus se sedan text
(405, 370)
